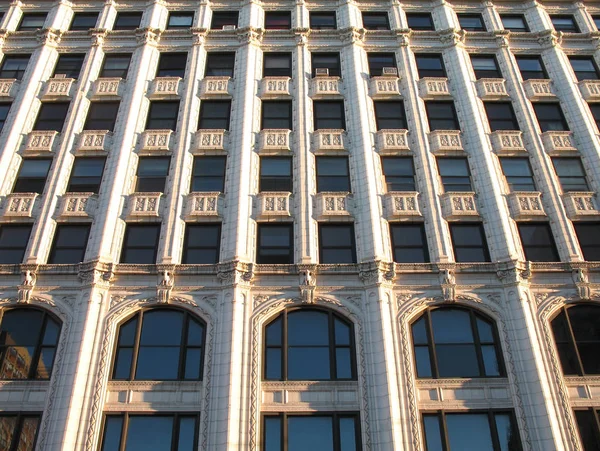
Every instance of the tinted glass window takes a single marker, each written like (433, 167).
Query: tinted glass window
(115, 66)
(209, 174)
(550, 117)
(32, 175)
(69, 244)
(19, 431)
(589, 431)
(531, 67)
(140, 243)
(13, 243)
(151, 174)
(336, 243)
(51, 116)
(4, 109)
(571, 174)
(163, 116)
(202, 243)
(69, 65)
(276, 115)
(278, 20)
(180, 19)
(518, 174)
(469, 243)
(595, 109)
(277, 65)
(565, 24)
(275, 244)
(102, 116)
(514, 22)
(538, 242)
(390, 115)
(32, 21)
(441, 116)
(399, 173)
(376, 21)
(584, 68)
(220, 64)
(588, 234)
(455, 174)
(471, 22)
(14, 66)
(330, 61)
(377, 61)
(275, 174)
(329, 115)
(501, 116)
(332, 174)
(596, 20)
(214, 114)
(420, 21)
(127, 21)
(409, 243)
(222, 19)
(323, 20)
(86, 175)
(485, 66)
(430, 65)
(171, 65)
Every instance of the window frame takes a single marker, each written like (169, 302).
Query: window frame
(124, 71)
(379, 117)
(319, 105)
(137, 172)
(77, 59)
(427, 73)
(549, 124)
(97, 107)
(420, 15)
(266, 120)
(574, 29)
(376, 14)
(189, 226)
(449, 182)
(492, 108)
(528, 248)
(433, 120)
(397, 248)
(595, 248)
(318, 14)
(152, 111)
(186, 14)
(125, 248)
(595, 72)
(169, 64)
(319, 158)
(281, 56)
(532, 74)
(32, 15)
(127, 15)
(478, 72)
(564, 186)
(508, 177)
(54, 247)
(375, 67)
(205, 115)
(21, 246)
(351, 245)
(386, 174)
(484, 247)
(287, 179)
(595, 413)
(262, 259)
(197, 178)
(84, 14)
(287, 15)
(72, 175)
(524, 29)
(223, 18)
(17, 73)
(333, 71)
(36, 179)
(48, 123)
(3, 118)
(210, 61)
(478, 16)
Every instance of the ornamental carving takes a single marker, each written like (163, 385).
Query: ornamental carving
(376, 273)
(28, 281)
(236, 273)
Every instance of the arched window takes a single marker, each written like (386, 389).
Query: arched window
(577, 335)
(309, 344)
(456, 342)
(160, 344)
(28, 339)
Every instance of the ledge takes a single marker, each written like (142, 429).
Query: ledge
(216, 86)
(107, 88)
(275, 87)
(491, 88)
(9, 88)
(325, 86)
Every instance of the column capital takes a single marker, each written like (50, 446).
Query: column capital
(199, 36)
(377, 272)
(302, 35)
(150, 36)
(549, 38)
(49, 36)
(403, 36)
(452, 37)
(353, 35)
(515, 272)
(502, 38)
(250, 35)
(96, 273)
(236, 273)
(98, 36)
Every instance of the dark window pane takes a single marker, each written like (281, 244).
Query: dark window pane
(32, 21)
(596, 20)
(171, 65)
(86, 175)
(348, 431)
(32, 175)
(375, 21)
(51, 117)
(14, 66)
(278, 20)
(140, 244)
(277, 115)
(13, 243)
(272, 433)
(145, 432)
(420, 21)
(588, 429)
(83, 21)
(4, 109)
(187, 432)
(163, 116)
(377, 61)
(508, 435)
(277, 65)
(586, 332)
(433, 434)
(595, 109)
(115, 66)
(69, 65)
(275, 174)
(565, 24)
(275, 244)
(469, 243)
(202, 243)
(152, 174)
(127, 21)
(313, 433)
(550, 117)
(102, 116)
(214, 114)
(538, 242)
(409, 243)
(70, 242)
(222, 19)
(332, 174)
(431, 65)
(323, 20)
(514, 22)
(588, 235)
(336, 243)
(571, 174)
(329, 61)
(329, 115)
(209, 174)
(220, 64)
(471, 22)
(479, 436)
(584, 67)
(180, 19)
(390, 115)
(441, 116)
(399, 173)
(531, 67)
(113, 425)
(485, 66)
(518, 174)
(501, 116)
(455, 174)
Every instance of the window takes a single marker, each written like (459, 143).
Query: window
(431, 65)
(69, 65)
(550, 117)
(158, 345)
(485, 66)
(595, 109)
(420, 21)
(276, 174)
(86, 175)
(514, 22)
(32, 21)
(180, 19)
(441, 116)
(163, 116)
(152, 174)
(51, 116)
(327, 353)
(571, 174)
(538, 242)
(323, 20)
(336, 243)
(588, 422)
(329, 115)
(377, 61)
(584, 67)
(471, 22)
(70, 242)
(531, 67)
(390, 115)
(214, 114)
(275, 244)
(13, 243)
(171, 65)
(469, 243)
(596, 20)
(490, 430)
(277, 65)
(208, 174)
(102, 116)
(565, 24)
(332, 174)
(376, 21)
(14, 66)
(455, 174)
(128, 21)
(409, 243)
(501, 116)
(115, 66)
(278, 20)
(588, 234)
(32, 175)
(28, 339)
(317, 431)
(276, 114)
(175, 432)
(19, 431)
(201, 244)
(220, 64)
(83, 21)
(456, 342)
(140, 245)
(518, 174)
(4, 109)
(399, 173)
(222, 19)
(329, 61)
(576, 330)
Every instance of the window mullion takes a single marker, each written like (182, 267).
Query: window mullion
(183, 344)
(136, 346)
(284, 341)
(38, 348)
(494, 430)
(477, 341)
(124, 427)
(431, 346)
(332, 348)
(444, 426)
(574, 342)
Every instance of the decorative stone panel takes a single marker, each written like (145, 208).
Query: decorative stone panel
(203, 204)
(275, 139)
(164, 87)
(433, 87)
(156, 139)
(146, 396)
(558, 141)
(77, 204)
(580, 204)
(58, 88)
(539, 89)
(507, 141)
(400, 204)
(209, 139)
(94, 140)
(274, 204)
(384, 86)
(19, 204)
(455, 205)
(325, 86)
(392, 140)
(143, 204)
(333, 204)
(443, 140)
(525, 204)
(329, 140)
(590, 89)
(8, 88)
(107, 87)
(275, 86)
(40, 141)
(215, 86)
(306, 396)
(491, 88)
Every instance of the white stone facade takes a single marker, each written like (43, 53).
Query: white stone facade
(237, 297)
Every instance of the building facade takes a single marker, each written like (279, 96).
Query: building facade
(287, 225)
